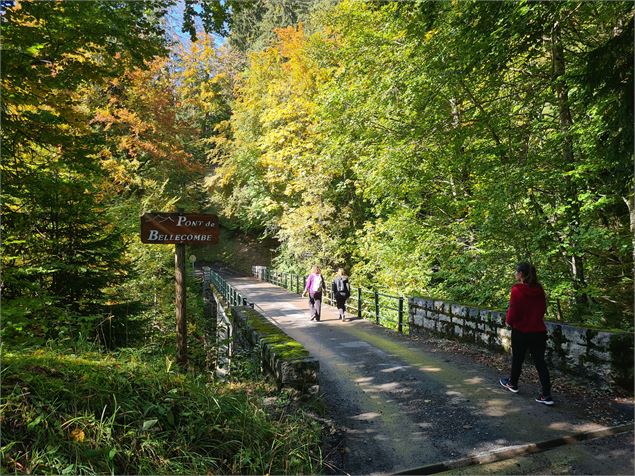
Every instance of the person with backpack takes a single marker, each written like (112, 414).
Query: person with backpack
(525, 315)
(315, 287)
(341, 289)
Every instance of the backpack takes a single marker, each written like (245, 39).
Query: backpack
(341, 286)
(321, 286)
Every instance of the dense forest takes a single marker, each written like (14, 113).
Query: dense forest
(431, 145)
(427, 146)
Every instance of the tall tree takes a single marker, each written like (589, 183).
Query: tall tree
(59, 247)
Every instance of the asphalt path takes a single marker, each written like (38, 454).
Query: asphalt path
(397, 404)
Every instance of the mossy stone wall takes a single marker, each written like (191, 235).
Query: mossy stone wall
(282, 356)
(604, 356)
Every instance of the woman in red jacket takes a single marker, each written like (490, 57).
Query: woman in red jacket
(525, 315)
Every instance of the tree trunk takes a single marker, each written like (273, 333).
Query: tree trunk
(630, 203)
(566, 122)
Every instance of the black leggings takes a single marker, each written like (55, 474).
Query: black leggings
(536, 342)
(340, 301)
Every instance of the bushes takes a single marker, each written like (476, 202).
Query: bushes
(131, 414)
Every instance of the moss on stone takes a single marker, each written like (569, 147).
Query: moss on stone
(285, 347)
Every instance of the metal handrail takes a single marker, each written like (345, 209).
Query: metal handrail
(375, 308)
(230, 294)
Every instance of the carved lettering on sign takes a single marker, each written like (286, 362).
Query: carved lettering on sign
(177, 228)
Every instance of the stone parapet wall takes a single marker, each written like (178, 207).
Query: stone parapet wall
(283, 357)
(604, 356)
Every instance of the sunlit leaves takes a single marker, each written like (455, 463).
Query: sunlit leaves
(442, 155)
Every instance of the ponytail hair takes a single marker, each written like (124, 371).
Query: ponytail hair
(529, 273)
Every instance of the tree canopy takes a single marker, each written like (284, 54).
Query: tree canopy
(427, 146)
(431, 145)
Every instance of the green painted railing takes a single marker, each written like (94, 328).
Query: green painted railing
(385, 309)
(229, 293)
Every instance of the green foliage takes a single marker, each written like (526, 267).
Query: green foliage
(431, 145)
(237, 250)
(252, 24)
(131, 414)
(61, 249)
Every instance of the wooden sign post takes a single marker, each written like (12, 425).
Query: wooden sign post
(180, 229)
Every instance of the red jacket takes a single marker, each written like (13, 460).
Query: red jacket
(527, 307)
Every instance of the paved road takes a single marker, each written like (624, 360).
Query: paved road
(400, 405)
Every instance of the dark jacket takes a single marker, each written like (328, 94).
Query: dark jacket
(527, 307)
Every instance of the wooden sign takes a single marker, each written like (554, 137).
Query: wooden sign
(179, 228)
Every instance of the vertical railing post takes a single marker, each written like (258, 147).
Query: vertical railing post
(297, 284)
(286, 275)
(359, 302)
(376, 306)
(400, 324)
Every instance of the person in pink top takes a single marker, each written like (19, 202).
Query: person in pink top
(525, 315)
(315, 287)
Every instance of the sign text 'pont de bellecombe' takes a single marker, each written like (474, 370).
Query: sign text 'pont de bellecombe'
(179, 228)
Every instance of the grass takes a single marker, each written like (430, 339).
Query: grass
(131, 413)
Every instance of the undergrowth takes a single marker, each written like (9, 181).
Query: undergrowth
(131, 413)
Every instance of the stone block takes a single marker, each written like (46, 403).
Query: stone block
(416, 302)
(446, 328)
(430, 324)
(574, 335)
(599, 340)
(473, 313)
(458, 310)
(470, 324)
(443, 318)
(418, 319)
(498, 318)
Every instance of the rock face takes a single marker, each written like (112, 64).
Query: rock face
(602, 355)
(283, 357)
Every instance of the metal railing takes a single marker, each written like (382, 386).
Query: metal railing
(230, 294)
(385, 309)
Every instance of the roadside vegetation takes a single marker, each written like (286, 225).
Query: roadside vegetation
(81, 411)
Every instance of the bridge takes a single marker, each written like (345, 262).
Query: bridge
(401, 405)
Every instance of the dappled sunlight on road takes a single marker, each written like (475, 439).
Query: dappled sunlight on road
(366, 416)
(430, 369)
(568, 427)
(499, 408)
(396, 368)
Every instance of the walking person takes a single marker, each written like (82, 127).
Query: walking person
(525, 315)
(315, 287)
(341, 290)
